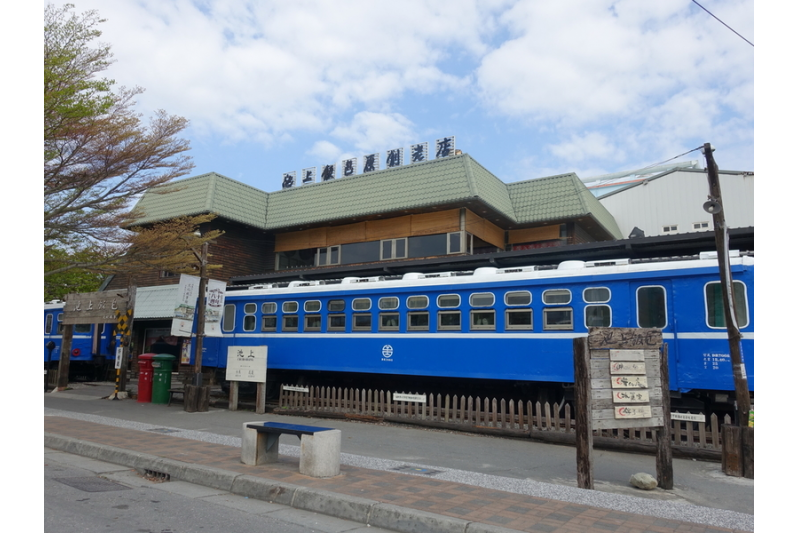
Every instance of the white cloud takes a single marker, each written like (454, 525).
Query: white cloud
(593, 145)
(372, 132)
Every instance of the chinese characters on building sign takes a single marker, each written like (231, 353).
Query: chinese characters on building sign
(95, 307)
(445, 147)
(247, 363)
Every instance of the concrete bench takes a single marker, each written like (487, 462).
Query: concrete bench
(319, 447)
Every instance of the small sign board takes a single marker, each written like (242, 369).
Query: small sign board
(294, 388)
(247, 363)
(403, 397)
(95, 307)
(118, 358)
(688, 417)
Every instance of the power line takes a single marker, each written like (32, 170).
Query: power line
(713, 15)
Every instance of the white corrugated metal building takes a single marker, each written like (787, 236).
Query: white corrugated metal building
(672, 202)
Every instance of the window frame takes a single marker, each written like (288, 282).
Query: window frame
(394, 254)
(439, 301)
(545, 294)
(312, 316)
(558, 327)
(481, 295)
(232, 315)
(734, 283)
(592, 306)
(508, 293)
(384, 327)
(639, 307)
(519, 311)
(353, 304)
(448, 312)
(474, 313)
(411, 327)
(427, 302)
(356, 327)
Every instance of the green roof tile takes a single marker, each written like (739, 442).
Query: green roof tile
(431, 183)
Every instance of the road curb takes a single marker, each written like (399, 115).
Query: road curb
(353, 508)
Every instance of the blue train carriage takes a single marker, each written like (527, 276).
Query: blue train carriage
(513, 326)
(90, 352)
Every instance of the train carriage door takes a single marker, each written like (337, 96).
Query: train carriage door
(653, 307)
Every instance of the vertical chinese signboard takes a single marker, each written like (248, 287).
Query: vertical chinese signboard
(622, 382)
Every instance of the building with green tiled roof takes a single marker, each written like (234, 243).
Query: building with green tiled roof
(445, 207)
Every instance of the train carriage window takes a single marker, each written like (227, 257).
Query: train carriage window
(269, 308)
(518, 298)
(289, 307)
(362, 304)
(596, 295)
(481, 299)
(651, 307)
(388, 302)
(448, 300)
(82, 328)
(519, 319)
(417, 302)
(290, 322)
(418, 321)
(557, 318)
(48, 324)
(335, 306)
(313, 323)
(598, 316)
(449, 320)
(481, 320)
(249, 321)
(389, 322)
(336, 322)
(269, 323)
(715, 316)
(312, 306)
(557, 296)
(60, 320)
(362, 321)
(229, 317)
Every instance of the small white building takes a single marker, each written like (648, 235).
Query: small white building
(672, 202)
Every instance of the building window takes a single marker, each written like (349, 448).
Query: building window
(715, 316)
(169, 274)
(394, 249)
(700, 226)
(328, 256)
(454, 243)
(669, 228)
(651, 307)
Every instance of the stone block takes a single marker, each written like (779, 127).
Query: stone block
(320, 452)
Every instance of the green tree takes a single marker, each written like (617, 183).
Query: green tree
(98, 154)
(57, 286)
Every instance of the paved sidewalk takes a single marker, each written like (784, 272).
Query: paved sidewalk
(410, 503)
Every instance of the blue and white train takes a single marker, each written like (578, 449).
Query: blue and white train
(511, 325)
(90, 353)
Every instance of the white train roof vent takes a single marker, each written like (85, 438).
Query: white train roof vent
(439, 275)
(363, 280)
(713, 255)
(304, 283)
(571, 265)
(484, 272)
(412, 275)
(517, 270)
(608, 262)
(257, 287)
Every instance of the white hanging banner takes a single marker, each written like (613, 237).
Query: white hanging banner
(215, 302)
(183, 317)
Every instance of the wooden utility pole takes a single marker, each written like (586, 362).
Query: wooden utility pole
(714, 206)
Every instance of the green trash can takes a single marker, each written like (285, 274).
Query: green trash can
(162, 377)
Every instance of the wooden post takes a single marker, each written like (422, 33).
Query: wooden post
(63, 361)
(664, 473)
(583, 418)
(233, 396)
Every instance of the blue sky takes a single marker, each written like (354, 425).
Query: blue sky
(528, 88)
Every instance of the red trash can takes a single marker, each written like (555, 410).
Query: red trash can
(145, 394)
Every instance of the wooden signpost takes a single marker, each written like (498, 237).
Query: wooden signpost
(621, 381)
